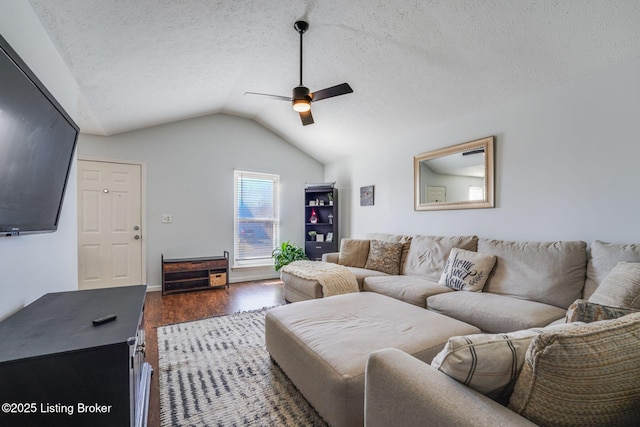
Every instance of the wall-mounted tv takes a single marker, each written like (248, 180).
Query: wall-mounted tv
(37, 142)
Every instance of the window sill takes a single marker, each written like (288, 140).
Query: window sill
(251, 266)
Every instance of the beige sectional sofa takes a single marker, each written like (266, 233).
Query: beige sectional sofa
(530, 285)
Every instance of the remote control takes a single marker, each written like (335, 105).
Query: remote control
(104, 319)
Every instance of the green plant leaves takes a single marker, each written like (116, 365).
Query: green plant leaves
(287, 253)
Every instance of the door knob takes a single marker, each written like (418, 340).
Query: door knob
(135, 227)
(137, 237)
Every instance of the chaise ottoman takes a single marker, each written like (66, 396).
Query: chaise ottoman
(304, 280)
(323, 344)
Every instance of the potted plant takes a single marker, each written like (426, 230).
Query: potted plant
(287, 253)
(330, 197)
(312, 235)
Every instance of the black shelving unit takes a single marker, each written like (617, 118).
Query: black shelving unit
(323, 200)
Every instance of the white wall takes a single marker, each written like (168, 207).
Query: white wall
(567, 167)
(34, 265)
(189, 174)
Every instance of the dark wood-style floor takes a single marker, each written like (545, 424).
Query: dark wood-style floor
(164, 310)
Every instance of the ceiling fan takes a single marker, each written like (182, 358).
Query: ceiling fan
(302, 97)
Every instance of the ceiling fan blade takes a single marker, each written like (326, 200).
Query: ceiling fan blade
(332, 91)
(307, 118)
(278, 97)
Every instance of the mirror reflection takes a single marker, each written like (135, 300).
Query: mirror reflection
(456, 177)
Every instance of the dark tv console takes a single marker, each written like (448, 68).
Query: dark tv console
(58, 368)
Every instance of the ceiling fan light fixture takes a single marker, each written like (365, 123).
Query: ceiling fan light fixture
(301, 105)
(301, 99)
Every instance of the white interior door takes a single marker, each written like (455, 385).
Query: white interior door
(109, 224)
(436, 194)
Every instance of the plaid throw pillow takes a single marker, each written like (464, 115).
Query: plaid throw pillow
(489, 363)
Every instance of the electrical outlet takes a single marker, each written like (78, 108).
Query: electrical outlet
(166, 218)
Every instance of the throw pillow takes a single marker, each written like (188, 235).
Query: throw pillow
(384, 256)
(585, 311)
(586, 376)
(353, 252)
(399, 238)
(488, 363)
(605, 256)
(467, 270)
(621, 287)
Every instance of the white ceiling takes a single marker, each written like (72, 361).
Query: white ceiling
(411, 64)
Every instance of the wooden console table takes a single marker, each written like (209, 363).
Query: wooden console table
(194, 274)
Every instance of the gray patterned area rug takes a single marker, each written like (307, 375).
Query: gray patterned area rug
(217, 372)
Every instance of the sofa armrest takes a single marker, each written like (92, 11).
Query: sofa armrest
(331, 257)
(402, 390)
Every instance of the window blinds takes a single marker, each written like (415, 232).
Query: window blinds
(256, 217)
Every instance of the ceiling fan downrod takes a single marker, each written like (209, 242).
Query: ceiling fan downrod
(301, 27)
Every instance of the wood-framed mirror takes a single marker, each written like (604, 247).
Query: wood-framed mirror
(456, 177)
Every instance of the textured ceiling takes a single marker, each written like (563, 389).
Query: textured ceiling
(411, 64)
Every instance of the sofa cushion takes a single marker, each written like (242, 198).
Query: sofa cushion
(467, 270)
(621, 287)
(494, 313)
(413, 290)
(489, 363)
(587, 376)
(547, 272)
(585, 311)
(353, 252)
(384, 256)
(428, 254)
(605, 256)
(363, 273)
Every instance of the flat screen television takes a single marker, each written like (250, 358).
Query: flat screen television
(37, 142)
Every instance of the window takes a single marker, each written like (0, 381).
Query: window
(476, 193)
(256, 218)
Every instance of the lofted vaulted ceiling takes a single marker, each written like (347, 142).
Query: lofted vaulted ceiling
(411, 64)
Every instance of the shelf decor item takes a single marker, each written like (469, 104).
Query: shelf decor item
(314, 218)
